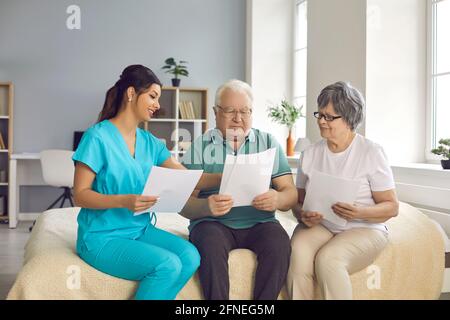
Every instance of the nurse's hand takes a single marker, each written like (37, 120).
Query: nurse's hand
(219, 204)
(136, 203)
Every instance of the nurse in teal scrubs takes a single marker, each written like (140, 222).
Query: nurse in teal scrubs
(112, 163)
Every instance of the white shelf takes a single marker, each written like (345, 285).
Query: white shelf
(179, 120)
(3, 183)
(162, 120)
(4, 150)
(170, 124)
(4, 117)
(192, 120)
(424, 169)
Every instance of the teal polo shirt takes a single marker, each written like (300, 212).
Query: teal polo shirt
(208, 153)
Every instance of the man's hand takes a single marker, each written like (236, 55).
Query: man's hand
(267, 201)
(219, 204)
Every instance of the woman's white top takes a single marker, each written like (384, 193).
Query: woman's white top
(363, 160)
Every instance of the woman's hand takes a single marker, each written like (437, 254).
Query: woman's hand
(267, 201)
(219, 204)
(137, 203)
(310, 218)
(346, 211)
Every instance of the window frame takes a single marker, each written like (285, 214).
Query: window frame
(295, 97)
(431, 84)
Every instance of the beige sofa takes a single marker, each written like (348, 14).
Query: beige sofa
(411, 267)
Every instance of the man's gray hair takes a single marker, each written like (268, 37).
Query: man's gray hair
(237, 86)
(347, 101)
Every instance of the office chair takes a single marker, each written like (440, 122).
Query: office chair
(58, 170)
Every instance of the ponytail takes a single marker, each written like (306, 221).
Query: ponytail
(111, 105)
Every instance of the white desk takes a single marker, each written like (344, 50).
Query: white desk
(24, 170)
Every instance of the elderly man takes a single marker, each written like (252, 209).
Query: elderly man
(216, 226)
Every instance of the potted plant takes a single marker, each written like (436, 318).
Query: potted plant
(177, 69)
(286, 114)
(444, 151)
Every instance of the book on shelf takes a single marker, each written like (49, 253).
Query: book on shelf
(183, 113)
(2, 142)
(192, 110)
(187, 110)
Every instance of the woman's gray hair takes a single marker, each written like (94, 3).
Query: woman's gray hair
(237, 86)
(347, 101)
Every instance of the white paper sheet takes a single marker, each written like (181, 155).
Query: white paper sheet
(246, 176)
(325, 190)
(172, 186)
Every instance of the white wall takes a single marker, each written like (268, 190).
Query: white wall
(377, 45)
(269, 58)
(336, 50)
(61, 75)
(396, 77)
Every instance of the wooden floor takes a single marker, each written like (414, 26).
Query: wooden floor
(12, 242)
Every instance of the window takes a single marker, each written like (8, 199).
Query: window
(300, 62)
(439, 72)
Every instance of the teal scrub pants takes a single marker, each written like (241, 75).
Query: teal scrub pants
(162, 262)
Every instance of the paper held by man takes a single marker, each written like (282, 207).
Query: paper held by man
(325, 190)
(173, 187)
(246, 176)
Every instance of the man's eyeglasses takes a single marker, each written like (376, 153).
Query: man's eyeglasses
(328, 118)
(230, 112)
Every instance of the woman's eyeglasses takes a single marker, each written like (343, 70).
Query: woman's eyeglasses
(328, 118)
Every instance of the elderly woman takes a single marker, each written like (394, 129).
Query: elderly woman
(322, 250)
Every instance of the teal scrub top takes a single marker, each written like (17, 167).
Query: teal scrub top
(104, 150)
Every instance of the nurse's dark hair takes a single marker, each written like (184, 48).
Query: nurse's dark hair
(137, 76)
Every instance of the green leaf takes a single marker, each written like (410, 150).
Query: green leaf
(285, 113)
(170, 61)
(174, 68)
(443, 149)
